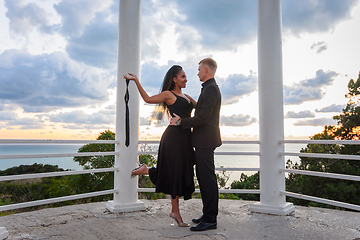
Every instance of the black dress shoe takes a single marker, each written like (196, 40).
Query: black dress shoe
(203, 226)
(198, 220)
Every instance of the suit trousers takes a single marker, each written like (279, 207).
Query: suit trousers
(205, 173)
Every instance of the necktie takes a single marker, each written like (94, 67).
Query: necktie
(127, 124)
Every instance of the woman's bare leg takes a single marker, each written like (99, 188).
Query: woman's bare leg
(175, 212)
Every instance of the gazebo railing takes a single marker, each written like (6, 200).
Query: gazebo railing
(77, 172)
(55, 174)
(247, 191)
(322, 174)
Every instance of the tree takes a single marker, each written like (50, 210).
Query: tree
(335, 189)
(25, 190)
(26, 169)
(105, 181)
(349, 120)
(97, 181)
(247, 182)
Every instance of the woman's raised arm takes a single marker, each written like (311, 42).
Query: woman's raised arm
(158, 98)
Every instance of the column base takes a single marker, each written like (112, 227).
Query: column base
(121, 208)
(259, 208)
(3, 233)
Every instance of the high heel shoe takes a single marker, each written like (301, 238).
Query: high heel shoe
(132, 171)
(180, 224)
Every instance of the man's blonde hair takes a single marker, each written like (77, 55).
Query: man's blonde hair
(210, 63)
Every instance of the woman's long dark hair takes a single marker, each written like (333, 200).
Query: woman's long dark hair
(168, 84)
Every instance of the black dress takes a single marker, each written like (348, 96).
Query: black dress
(174, 173)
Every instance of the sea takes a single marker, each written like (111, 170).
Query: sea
(239, 161)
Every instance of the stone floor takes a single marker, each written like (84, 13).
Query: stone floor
(235, 221)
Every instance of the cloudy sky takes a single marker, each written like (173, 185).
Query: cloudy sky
(58, 62)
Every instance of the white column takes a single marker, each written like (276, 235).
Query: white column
(126, 200)
(3, 233)
(271, 110)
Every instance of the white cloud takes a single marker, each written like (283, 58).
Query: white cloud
(50, 81)
(97, 45)
(220, 29)
(314, 16)
(80, 117)
(225, 24)
(236, 86)
(301, 114)
(331, 108)
(26, 123)
(237, 120)
(25, 17)
(76, 15)
(319, 47)
(316, 122)
(309, 89)
(7, 115)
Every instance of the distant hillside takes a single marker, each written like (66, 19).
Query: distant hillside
(27, 169)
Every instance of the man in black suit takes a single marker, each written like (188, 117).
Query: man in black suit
(205, 138)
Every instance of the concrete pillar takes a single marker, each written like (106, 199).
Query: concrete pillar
(3, 233)
(271, 110)
(126, 200)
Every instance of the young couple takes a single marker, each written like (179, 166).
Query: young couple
(174, 173)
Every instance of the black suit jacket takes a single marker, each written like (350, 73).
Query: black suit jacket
(205, 123)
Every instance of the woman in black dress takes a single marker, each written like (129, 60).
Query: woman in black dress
(174, 174)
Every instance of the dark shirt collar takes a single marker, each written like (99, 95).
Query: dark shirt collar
(211, 80)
